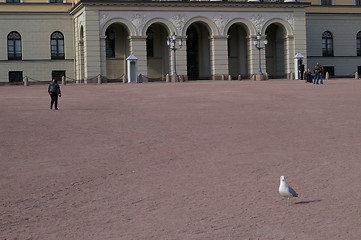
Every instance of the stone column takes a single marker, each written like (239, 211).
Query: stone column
(219, 57)
(289, 54)
(252, 56)
(138, 48)
(103, 57)
(300, 43)
(91, 45)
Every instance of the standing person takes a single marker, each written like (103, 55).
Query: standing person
(317, 72)
(301, 69)
(308, 75)
(321, 72)
(54, 92)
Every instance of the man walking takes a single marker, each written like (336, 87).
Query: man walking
(54, 92)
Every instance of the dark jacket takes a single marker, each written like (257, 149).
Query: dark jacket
(54, 88)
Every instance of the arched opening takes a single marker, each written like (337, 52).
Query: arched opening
(117, 50)
(14, 46)
(237, 51)
(57, 45)
(157, 51)
(327, 44)
(198, 52)
(275, 51)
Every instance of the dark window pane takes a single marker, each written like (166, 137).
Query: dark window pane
(15, 76)
(14, 46)
(57, 45)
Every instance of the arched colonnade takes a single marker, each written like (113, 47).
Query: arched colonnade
(211, 47)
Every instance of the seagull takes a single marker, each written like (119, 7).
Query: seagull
(285, 190)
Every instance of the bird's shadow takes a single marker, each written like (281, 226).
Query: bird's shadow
(307, 202)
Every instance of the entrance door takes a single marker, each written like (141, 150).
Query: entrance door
(58, 75)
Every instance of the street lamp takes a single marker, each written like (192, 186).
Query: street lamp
(171, 42)
(258, 44)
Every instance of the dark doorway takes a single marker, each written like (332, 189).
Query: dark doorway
(275, 51)
(58, 75)
(192, 53)
(198, 52)
(330, 70)
(15, 76)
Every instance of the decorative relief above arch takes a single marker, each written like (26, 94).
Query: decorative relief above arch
(104, 18)
(138, 20)
(258, 21)
(220, 22)
(178, 21)
(290, 19)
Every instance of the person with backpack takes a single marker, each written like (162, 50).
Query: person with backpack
(54, 92)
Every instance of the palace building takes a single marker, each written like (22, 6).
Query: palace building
(82, 40)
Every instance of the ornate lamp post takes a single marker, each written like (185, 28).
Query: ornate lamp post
(258, 44)
(171, 42)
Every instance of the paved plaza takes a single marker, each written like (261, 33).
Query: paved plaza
(181, 161)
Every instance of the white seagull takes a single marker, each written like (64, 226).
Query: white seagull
(285, 190)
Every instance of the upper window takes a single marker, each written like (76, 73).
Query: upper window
(57, 45)
(56, 1)
(327, 44)
(12, 1)
(14, 46)
(326, 2)
(358, 43)
(110, 43)
(357, 2)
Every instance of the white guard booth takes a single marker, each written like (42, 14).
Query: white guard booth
(132, 68)
(298, 61)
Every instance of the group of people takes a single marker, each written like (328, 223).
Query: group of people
(317, 76)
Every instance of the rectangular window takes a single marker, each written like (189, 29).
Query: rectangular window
(326, 2)
(14, 50)
(58, 74)
(56, 1)
(15, 76)
(12, 1)
(357, 2)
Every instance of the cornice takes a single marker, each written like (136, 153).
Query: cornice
(186, 3)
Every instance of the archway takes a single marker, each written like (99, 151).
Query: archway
(117, 50)
(157, 51)
(275, 51)
(198, 52)
(237, 50)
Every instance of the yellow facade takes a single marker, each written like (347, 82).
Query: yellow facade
(290, 27)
